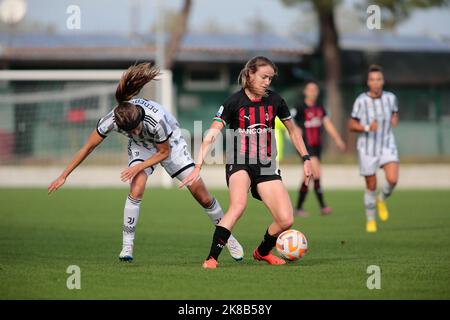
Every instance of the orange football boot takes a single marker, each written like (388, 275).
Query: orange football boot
(270, 258)
(211, 263)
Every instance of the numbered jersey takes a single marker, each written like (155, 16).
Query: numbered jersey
(366, 110)
(159, 124)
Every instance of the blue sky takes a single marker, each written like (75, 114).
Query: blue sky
(113, 16)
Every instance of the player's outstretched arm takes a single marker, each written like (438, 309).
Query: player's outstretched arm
(329, 126)
(297, 141)
(93, 141)
(209, 139)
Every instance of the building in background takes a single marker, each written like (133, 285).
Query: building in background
(42, 120)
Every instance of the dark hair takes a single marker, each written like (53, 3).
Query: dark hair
(375, 68)
(252, 66)
(127, 115)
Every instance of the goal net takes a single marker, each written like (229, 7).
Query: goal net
(46, 116)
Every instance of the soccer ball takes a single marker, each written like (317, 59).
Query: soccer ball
(292, 245)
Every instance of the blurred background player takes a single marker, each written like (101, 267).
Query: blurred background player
(280, 131)
(374, 115)
(311, 117)
(154, 137)
(251, 157)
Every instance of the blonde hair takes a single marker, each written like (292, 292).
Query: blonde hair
(251, 67)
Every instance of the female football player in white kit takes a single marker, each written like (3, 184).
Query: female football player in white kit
(374, 115)
(154, 137)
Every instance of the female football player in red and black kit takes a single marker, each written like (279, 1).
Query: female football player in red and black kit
(311, 118)
(250, 114)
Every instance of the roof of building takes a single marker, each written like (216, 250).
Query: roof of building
(386, 42)
(194, 47)
(199, 47)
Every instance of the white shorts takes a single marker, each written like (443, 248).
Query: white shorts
(369, 164)
(176, 165)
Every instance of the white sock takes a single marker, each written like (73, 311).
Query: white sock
(130, 219)
(386, 191)
(214, 212)
(369, 203)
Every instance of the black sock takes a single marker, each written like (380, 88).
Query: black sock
(319, 193)
(220, 239)
(267, 244)
(302, 195)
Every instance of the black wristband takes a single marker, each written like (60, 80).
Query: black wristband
(306, 157)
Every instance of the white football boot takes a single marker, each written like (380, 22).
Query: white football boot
(235, 248)
(126, 254)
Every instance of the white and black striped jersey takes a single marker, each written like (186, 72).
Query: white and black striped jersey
(159, 124)
(367, 109)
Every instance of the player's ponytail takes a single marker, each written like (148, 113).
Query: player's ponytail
(251, 67)
(134, 79)
(126, 115)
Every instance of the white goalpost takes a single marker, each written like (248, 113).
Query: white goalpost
(46, 115)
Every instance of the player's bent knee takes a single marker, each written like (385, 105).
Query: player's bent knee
(137, 194)
(392, 182)
(371, 186)
(286, 224)
(137, 188)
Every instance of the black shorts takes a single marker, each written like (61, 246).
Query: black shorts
(256, 173)
(314, 151)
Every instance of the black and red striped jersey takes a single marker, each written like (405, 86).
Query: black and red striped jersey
(310, 120)
(251, 123)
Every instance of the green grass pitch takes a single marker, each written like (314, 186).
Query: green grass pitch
(41, 236)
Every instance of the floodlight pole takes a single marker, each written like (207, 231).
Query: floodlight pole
(160, 45)
(164, 98)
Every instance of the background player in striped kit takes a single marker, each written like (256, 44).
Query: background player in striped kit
(154, 137)
(312, 118)
(374, 115)
(251, 157)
